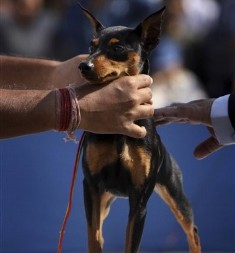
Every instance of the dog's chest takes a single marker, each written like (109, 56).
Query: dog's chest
(116, 163)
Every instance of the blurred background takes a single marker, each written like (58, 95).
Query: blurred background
(195, 59)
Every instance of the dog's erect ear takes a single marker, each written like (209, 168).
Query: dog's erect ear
(149, 30)
(97, 26)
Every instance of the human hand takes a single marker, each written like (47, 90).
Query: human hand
(114, 107)
(195, 112)
(67, 72)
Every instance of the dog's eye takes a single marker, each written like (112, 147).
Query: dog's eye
(118, 48)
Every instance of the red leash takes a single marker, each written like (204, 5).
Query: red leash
(69, 206)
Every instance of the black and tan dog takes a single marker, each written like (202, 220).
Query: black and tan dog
(116, 165)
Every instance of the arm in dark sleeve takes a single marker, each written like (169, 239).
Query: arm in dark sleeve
(222, 123)
(231, 109)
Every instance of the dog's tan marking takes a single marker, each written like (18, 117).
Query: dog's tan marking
(113, 41)
(95, 41)
(100, 155)
(164, 194)
(129, 235)
(106, 200)
(137, 161)
(133, 64)
(95, 240)
(108, 70)
(100, 210)
(188, 226)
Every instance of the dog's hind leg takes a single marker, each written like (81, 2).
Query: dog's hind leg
(171, 191)
(135, 225)
(138, 199)
(97, 206)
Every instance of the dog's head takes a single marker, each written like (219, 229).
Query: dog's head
(119, 51)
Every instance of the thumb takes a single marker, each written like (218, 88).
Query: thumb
(136, 131)
(207, 147)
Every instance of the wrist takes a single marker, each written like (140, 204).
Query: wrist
(89, 103)
(68, 116)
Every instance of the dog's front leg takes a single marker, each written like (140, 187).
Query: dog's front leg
(97, 207)
(92, 208)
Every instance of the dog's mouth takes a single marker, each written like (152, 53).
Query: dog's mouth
(113, 75)
(94, 78)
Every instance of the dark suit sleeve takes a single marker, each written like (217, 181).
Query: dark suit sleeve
(231, 109)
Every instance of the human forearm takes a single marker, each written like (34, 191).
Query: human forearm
(112, 108)
(38, 74)
(26, 73)
(194, 112)
(26, 112)
(216, 114)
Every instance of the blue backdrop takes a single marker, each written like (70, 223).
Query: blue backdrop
(35, 175)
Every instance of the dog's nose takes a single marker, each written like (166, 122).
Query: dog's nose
(85, 67)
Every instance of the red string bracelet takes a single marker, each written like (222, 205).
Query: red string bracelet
(65, 110)
(75, 112)
(68, 111)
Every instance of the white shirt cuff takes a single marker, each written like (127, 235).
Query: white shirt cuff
(222, 126)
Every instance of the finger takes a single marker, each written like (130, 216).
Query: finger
(136, 131)
(168, 121)
(163, 120)
(179, 113)
(166, 113)
(207, 147)
(143, 112)
(82, 57)
(145, 96)
(143, 81)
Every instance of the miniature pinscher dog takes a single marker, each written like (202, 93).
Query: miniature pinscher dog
(120, 166)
